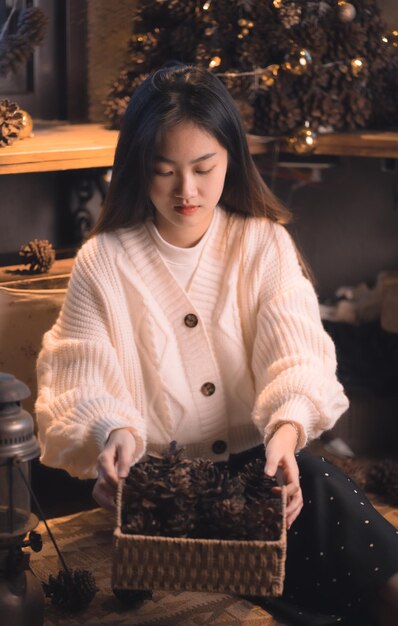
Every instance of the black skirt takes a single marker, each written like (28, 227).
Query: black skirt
(340, 550)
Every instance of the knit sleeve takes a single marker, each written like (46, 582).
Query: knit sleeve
(294, 360)
(82, 391)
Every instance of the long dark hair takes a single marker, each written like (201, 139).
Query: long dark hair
(168, 97)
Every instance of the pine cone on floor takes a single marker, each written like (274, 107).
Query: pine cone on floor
(72, 590)
(11, 122)
(40, 254)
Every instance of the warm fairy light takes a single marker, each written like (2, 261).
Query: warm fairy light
(206, 6)
(215, 62)
(357, 66)
(277, 4)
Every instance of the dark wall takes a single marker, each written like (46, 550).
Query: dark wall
(347, 225)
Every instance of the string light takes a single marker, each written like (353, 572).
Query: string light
(215, 62)
(357, 65)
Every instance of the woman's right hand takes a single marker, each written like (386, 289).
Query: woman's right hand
(114, 462)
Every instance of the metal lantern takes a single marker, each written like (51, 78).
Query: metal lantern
(21, 594)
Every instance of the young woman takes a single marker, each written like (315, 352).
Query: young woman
(188, 317)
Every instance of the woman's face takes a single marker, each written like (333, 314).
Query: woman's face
(187, 182)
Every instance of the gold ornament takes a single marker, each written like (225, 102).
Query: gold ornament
(298, 61)
(268, 76)
(215, 62)
(357, 66)
(303, 140)
(27, 125)
(346, 11)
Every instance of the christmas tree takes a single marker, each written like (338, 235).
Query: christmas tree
(294, 67)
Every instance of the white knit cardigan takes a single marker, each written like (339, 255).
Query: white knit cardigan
(120, 353)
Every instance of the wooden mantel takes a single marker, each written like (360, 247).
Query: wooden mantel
(62, 146)
(364, 143)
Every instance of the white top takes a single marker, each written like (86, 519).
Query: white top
(122, 354)
(182, 262)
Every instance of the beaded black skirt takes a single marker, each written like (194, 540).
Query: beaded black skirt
(340, 550)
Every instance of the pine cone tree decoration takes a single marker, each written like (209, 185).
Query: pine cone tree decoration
(182, 11)
(11, 122)
(119, 96)
(16, 49)
(40, 254)
(245, 36)
(71, 590)
(290, 14)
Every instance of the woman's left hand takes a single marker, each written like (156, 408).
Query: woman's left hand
(280, 455)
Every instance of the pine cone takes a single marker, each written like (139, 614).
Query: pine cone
(257, 486)
(225, 519)
(40, 254)
(158, 496)
(11, 122)
(71, 591)
(16, 49)
(290, 14)
(263, 510)
(263, 520)
(120, 94)
(219, 496)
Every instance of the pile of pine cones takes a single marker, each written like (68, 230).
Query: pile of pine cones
(171, 496)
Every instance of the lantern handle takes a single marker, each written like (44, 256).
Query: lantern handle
(42, 517)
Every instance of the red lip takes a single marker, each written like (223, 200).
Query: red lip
(186, 209)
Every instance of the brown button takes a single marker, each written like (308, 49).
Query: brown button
(219, 446)
(190, 320)
(208, 389)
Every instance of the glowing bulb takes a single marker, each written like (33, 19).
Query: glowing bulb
(215, 62)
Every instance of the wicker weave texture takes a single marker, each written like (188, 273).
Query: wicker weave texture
(246, 568)
(175, 564)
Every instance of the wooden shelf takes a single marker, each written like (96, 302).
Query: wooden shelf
(360, 144)
(59, 146)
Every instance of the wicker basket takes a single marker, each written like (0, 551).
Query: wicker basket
(255, 568)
